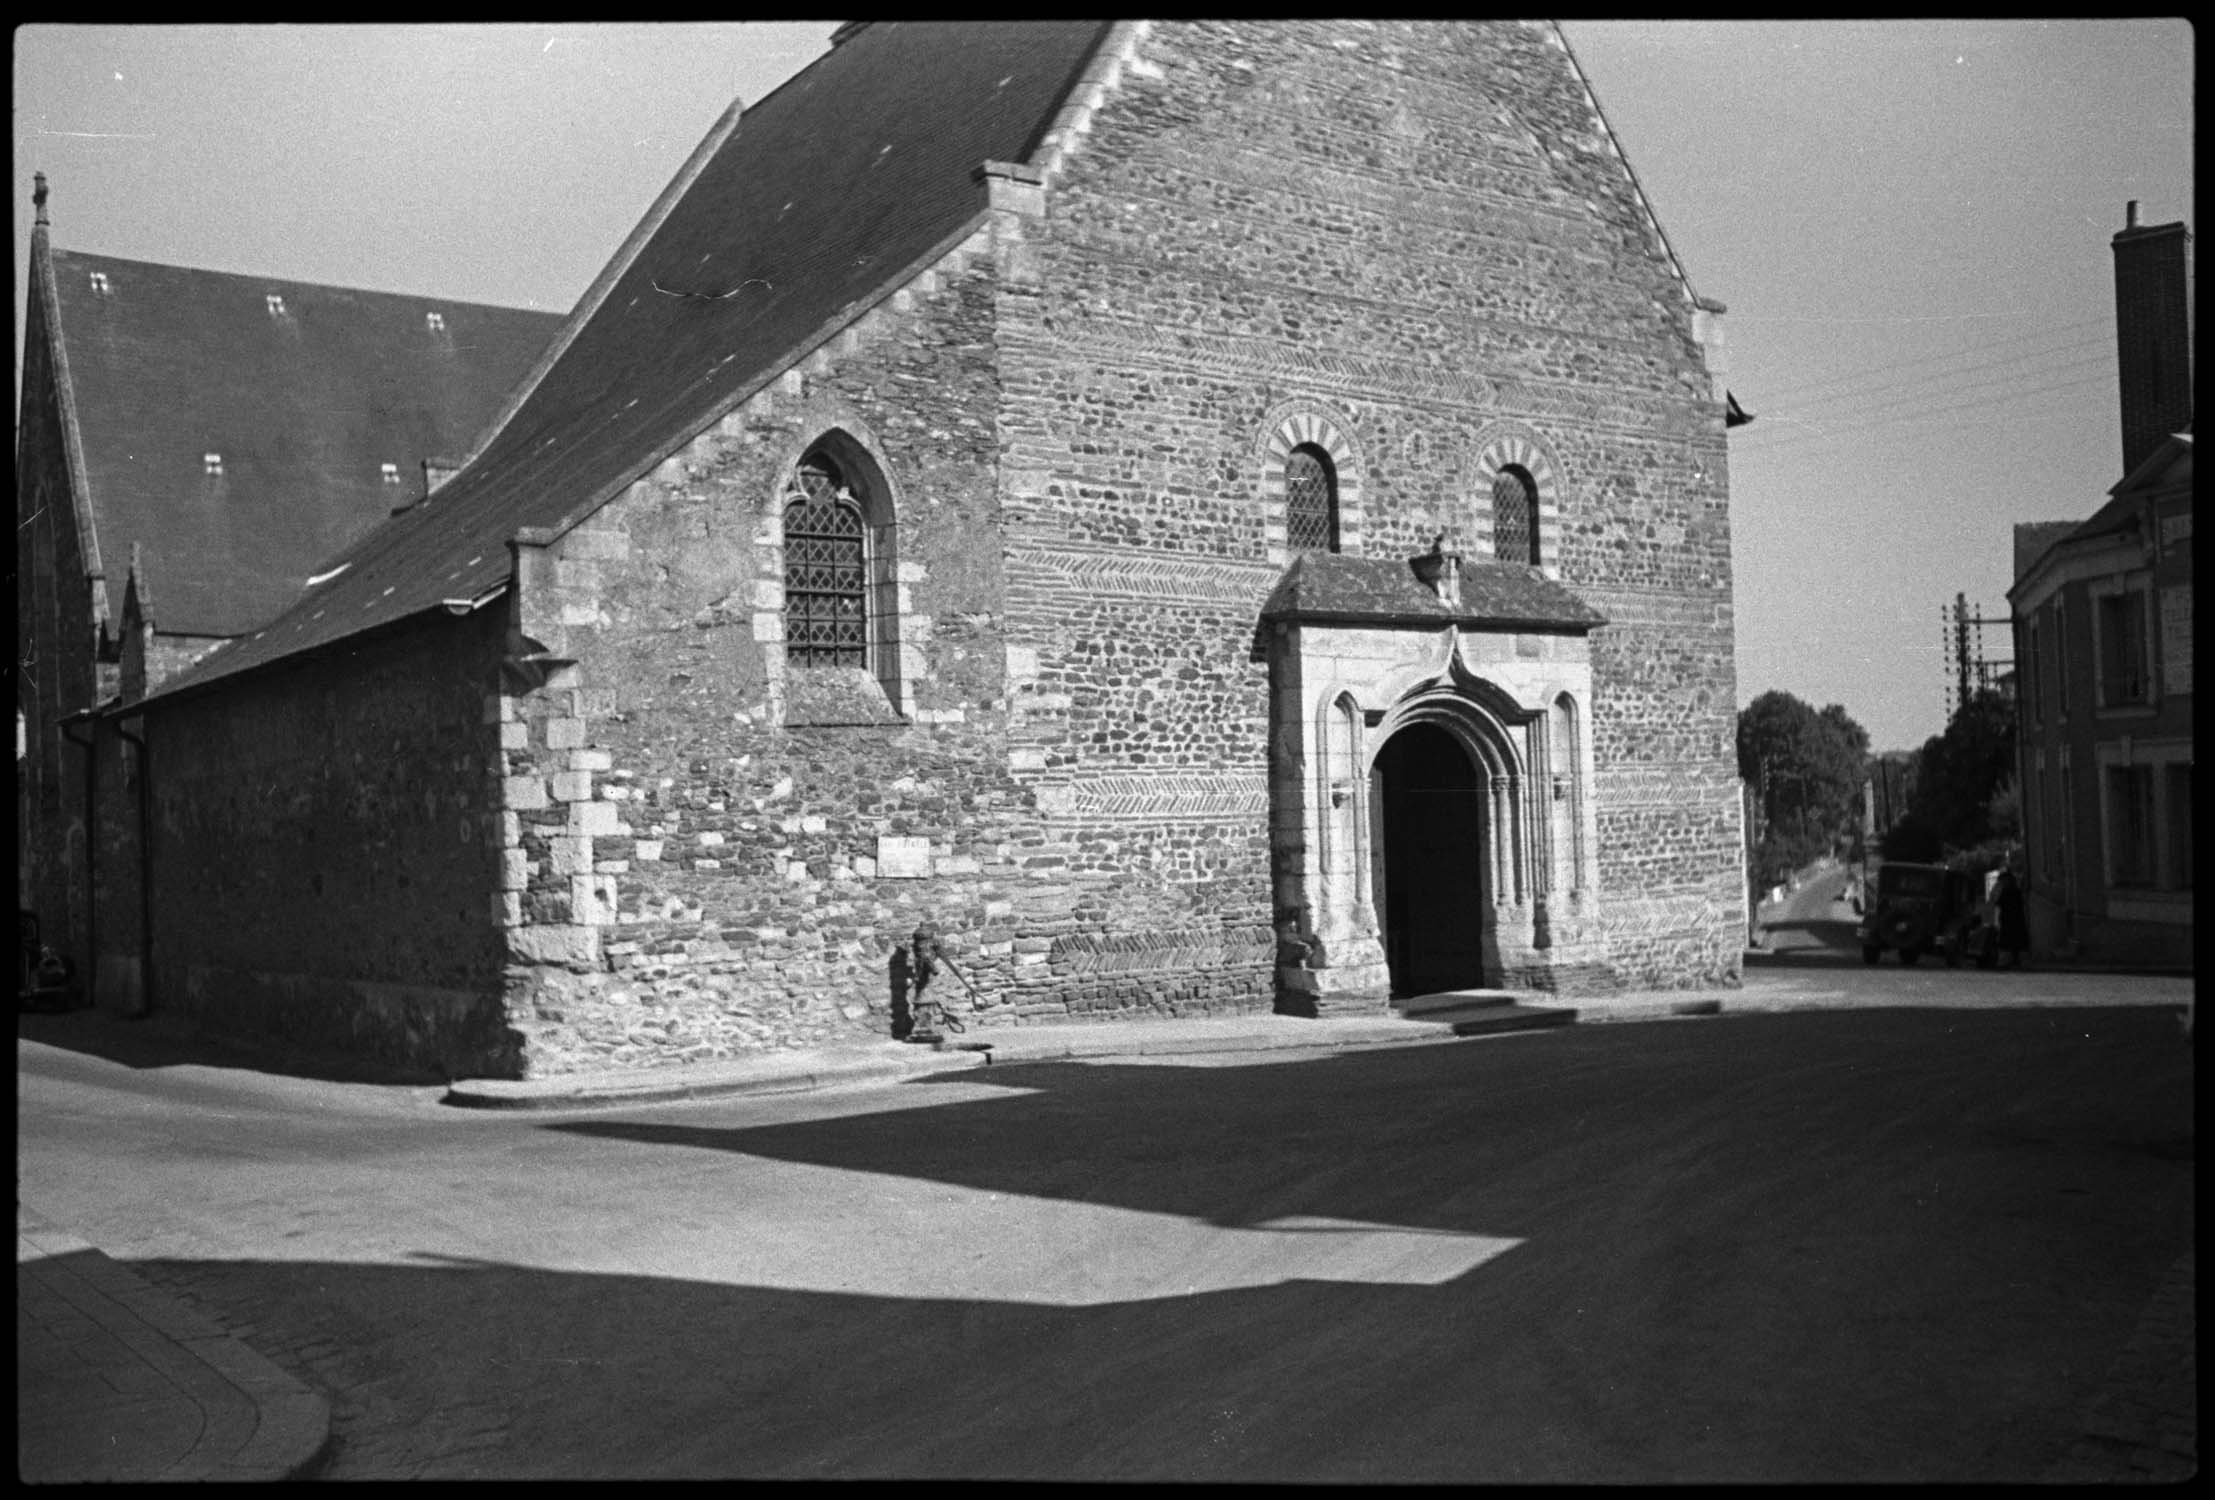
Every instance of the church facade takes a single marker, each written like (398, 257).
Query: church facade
(1207, 517)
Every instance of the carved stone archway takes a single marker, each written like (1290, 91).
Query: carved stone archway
(1364, 651)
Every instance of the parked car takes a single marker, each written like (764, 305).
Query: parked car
(1921, 909)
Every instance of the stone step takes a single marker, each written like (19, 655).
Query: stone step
(1485, 1012)
(1416, 1005)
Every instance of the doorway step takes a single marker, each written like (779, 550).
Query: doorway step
(1484, 1012)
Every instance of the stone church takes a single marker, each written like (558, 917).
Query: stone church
(1207, 516)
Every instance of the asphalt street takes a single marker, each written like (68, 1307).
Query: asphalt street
(1855, 1244)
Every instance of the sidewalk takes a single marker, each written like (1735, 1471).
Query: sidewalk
(887, 1062)
(119, 1382)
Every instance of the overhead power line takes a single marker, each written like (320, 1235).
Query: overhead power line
(1823, 432)
(1851, 411)
(1896, 377)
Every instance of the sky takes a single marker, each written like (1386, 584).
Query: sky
(1908, 220)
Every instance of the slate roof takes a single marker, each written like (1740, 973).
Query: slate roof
(838, 182)
(1327, 586)
(171, 364)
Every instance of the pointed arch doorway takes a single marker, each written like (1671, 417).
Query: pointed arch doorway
(1427, 851)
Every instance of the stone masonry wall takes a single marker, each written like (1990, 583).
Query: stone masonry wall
(324, 846)
(715, 852)
(1419, 232)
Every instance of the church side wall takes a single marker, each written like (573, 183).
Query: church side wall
(325, 851)
(1418, 233)
(714, 852)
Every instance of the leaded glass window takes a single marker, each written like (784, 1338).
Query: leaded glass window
(1310, 501)
(1514, 516)
(826, 574)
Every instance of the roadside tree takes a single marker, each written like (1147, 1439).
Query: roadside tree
(1962, 795)
(1806, 768)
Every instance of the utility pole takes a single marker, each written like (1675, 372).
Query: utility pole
(1961, 636)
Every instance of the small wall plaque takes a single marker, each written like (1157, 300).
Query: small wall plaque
(903, 859)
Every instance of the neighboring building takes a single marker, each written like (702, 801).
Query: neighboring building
(191, 445)
(1208, 516)
(2103, 643)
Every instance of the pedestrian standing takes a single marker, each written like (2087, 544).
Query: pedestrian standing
(2007, 903)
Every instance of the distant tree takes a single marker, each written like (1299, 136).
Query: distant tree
(1806, 768)
(1960, 781)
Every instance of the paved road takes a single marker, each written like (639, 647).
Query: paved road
(1875, 1245)
(1815, 915)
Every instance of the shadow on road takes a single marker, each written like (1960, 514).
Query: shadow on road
(1336, 1131)
(1889, 1245)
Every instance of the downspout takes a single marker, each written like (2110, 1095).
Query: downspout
(145, 870)
(92, 846)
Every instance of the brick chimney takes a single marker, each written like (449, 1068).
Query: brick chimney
(2153, 333)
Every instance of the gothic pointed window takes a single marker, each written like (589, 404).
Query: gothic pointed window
(1310, 500)
(826, 571)
(1514, 516)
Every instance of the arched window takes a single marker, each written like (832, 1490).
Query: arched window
(826, 569)
(1310, 500)
(1514, 516)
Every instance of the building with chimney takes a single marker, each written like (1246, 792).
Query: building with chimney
(2102, 615)
(191, 445)
(1203, 516)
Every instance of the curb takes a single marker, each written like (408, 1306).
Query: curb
(807, 1072)
(804, 1074)
(891, 1062)
(257, 1423)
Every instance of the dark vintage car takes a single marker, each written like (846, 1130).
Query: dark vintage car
(1921, 909)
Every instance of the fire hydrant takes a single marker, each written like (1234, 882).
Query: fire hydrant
(924, 952)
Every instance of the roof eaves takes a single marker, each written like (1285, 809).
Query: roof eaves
(206, 675)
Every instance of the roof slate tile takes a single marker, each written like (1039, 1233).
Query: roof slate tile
(237, 446)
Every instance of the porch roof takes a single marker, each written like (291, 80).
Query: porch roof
(1325, 586)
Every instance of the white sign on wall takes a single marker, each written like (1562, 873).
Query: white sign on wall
(903, 859)
(2176, 639)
